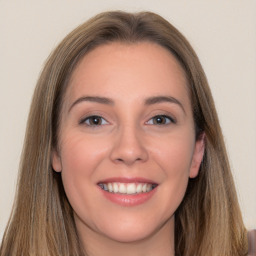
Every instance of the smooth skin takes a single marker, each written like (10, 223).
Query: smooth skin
(127, 113)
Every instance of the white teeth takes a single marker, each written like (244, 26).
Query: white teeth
(131, 188)
(139, 188)
(110, 188)
(122, 188)
(115, 186)
(127, 188)
(144, 188)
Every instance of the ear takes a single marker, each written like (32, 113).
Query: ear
(56, 161)
(197, 156)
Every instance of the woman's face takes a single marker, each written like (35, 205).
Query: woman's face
(127, 142)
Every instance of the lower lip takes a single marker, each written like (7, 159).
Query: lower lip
(128, 200)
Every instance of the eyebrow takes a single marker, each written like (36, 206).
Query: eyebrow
(160, 99)
(148, 101)
(101, 100)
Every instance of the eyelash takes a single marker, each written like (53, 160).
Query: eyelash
(167, 120)
(152, 121)
(93, 118)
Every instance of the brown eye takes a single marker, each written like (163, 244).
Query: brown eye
(161, 120)
(94, 121)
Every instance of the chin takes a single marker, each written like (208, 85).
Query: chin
(135, 230)
(129, 235)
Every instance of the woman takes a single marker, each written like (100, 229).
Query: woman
(123, 151)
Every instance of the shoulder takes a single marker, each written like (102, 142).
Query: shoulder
(252, 242)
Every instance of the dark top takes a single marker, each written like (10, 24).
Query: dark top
(252, 242)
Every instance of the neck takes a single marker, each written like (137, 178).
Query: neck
(160, 243)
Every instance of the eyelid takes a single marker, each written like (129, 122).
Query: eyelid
(84, 119)
(170, 118)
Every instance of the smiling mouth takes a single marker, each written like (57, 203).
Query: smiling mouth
(127, 188)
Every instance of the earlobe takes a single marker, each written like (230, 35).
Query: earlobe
(197, 156)
(56, 161)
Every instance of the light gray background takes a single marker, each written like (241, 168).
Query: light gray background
(223, 34)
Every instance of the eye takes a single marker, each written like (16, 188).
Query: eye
(93, 121)
(161, 120)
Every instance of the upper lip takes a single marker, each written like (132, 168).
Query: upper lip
(128, 180)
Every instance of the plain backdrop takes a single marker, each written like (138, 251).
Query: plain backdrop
(223, 33)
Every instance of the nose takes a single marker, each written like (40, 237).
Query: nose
(128, 147)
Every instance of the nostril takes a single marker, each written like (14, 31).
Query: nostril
(128, 152)
(122, 160)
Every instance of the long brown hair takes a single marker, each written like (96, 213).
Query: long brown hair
(208, 221)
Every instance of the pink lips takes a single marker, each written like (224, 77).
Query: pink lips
(126, 199)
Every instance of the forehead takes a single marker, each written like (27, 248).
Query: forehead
(127, 70)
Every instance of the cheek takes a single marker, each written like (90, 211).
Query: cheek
(80, 158)
(174, 158)
(174, 154)
(81, 153)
